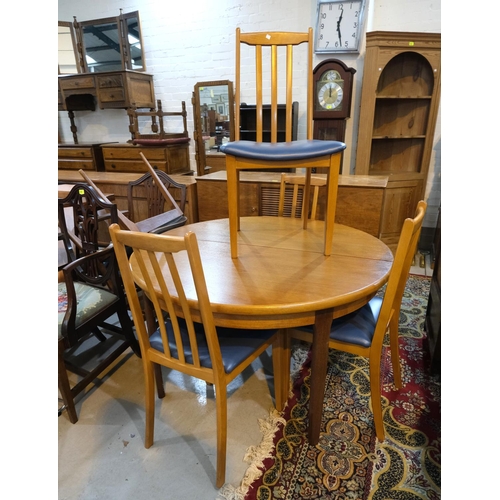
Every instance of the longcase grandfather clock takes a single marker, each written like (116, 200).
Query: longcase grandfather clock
(332, 99)
(332, 81)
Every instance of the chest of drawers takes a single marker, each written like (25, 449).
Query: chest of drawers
(171, 158)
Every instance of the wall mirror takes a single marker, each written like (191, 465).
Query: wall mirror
(108, 44)
(213, 111)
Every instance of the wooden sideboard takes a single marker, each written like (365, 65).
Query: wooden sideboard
(360, 201)
(116, 183)
(171, 158)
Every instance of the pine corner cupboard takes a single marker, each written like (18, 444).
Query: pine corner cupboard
(399, 107)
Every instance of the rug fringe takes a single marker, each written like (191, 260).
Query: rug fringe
(255, 456)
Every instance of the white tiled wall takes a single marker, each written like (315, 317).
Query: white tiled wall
(189, 42)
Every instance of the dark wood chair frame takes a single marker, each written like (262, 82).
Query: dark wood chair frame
(96, 267)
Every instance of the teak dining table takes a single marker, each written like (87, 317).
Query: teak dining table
(282, 279)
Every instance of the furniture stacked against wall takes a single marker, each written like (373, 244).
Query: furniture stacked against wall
(399, 107)
(117, 183)
(360, 199)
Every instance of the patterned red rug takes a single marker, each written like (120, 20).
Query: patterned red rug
(349, 462)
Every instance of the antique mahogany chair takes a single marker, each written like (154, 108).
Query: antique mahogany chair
(272, 47)
(215, 355)
(297, 206)
(155, 222)
(90, 297)
(362, 332)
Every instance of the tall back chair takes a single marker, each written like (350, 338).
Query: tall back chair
(362, 332)
(90, 296)
(298, 183)
(155, 222)
(257, 155)
(170, 271)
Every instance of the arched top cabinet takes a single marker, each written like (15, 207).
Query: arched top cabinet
(399, 107)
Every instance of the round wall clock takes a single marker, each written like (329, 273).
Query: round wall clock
(339, 26)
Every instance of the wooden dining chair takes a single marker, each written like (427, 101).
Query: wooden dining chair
(362, 332)
(157, 205)
(172, 275)
(298, 185)
(271, 48)
(90, 298)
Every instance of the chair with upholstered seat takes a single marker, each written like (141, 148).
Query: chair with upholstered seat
(215, 355)
(296, 50)
(91, 298)
(362, 332)
(297, 206)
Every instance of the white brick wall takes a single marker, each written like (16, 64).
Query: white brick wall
(188, 43)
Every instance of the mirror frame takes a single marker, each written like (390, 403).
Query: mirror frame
(77, 28)
(68, 24)
(201, 157)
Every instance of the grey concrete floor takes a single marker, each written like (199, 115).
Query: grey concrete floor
(103, 456)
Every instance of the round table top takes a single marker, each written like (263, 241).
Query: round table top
(281, 277)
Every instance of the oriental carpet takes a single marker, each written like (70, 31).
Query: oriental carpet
(349, 462)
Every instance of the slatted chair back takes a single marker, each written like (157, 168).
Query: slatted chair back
(157, 204)
(297, 207)
(271, 48)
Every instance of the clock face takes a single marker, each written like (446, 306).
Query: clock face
(339, 26)
(330, 95)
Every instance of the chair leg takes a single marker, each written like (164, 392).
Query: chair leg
(394, 341)
(65, 388)
(376, 396)
(281, 368)
(150, 402)
(128, 331)
(221, 405)
(149, 317)
(160, 389)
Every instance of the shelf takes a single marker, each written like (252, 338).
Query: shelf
(248, 122)
(404, 97)
(396, 137)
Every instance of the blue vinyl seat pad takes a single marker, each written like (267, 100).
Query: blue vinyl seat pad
(357, 327)
(235, 344)
(282, 151)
